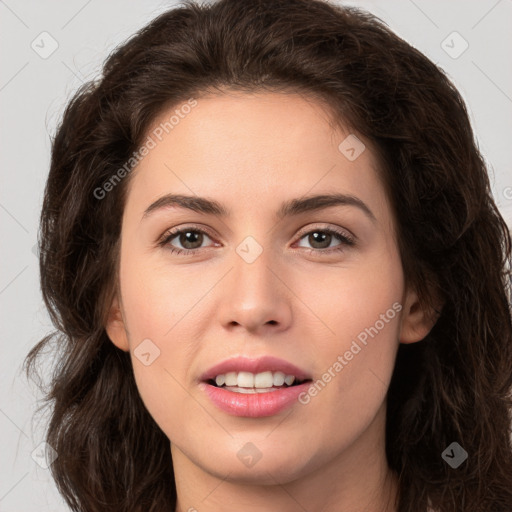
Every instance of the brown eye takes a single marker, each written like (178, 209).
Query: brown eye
(321, 239)
(190, 239)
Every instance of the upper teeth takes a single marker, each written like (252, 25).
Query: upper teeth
(251, 380)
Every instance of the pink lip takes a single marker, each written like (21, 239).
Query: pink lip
(254, 405)
(261, 364)
(258, 404)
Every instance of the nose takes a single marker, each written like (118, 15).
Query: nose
(255, 295)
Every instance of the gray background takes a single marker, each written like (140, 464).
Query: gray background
(35, 86)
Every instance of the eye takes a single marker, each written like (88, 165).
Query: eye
(322, 239)
(190, 238)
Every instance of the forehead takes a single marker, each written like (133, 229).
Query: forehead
(251, 147)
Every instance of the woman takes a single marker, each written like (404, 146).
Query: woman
(278, 276)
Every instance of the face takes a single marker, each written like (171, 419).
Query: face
(315, 287)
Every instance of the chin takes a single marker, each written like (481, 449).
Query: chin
(279, 467)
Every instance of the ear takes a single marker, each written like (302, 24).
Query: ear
(417, 319)
(115, 326)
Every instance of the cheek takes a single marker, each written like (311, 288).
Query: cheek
(156, 297)
(360, 308)
(156, 316)
(164, 396)
(346, 301)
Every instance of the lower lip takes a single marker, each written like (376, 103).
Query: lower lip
(254, 405)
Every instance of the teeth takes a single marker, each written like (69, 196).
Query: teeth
(261, 382)
(245, 380)
(289, 379)
(279, 378)
(231, 379)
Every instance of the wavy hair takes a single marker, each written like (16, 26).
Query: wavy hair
(454, 385)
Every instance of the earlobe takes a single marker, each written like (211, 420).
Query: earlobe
(417, 319)
(115, 326)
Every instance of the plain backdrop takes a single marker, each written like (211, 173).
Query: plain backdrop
(49, 48)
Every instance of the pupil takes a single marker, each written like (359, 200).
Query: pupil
(184, 239)
(316, 235)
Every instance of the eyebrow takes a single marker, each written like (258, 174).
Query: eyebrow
(289, 208)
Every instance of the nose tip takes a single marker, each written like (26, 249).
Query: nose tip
(253, 317)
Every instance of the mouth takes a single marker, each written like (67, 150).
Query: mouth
(254, 387)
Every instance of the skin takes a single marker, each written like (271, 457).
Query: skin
(251, 152)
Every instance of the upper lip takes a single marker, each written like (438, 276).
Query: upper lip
(256, 365)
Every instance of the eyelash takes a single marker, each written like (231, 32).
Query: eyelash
(342, 236)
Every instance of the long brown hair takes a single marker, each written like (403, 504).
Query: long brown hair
(453, 386)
